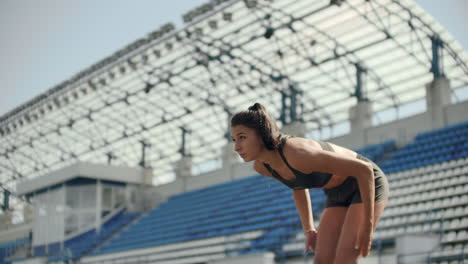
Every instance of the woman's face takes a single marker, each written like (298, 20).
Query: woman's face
(247, 143)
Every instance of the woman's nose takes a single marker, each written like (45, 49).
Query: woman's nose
(236, 147)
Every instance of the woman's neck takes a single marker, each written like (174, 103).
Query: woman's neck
(269, 156)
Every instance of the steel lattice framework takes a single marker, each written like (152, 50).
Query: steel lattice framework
(229, 55)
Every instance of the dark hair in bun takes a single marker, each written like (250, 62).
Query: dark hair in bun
(256, 117)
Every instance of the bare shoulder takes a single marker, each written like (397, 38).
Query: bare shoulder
(297, 145)
(297, 148)
(260, 168)
(307, 155)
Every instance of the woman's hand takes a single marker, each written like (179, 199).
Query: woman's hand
(310, 240)
(364, 240)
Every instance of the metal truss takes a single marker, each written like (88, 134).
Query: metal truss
(178, 86)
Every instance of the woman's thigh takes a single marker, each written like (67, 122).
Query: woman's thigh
(329, 229)
(345, 251)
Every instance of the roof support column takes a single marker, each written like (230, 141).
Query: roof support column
(28, 212)
(6, 200)
(295, 128)
(437, 48)
(438, 91)
(437, 98)
(184, 165)
(6, 219)
(147, 172)
(360, 115)
(98, 212)
(294, 125)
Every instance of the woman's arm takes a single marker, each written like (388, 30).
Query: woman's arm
(304, 209)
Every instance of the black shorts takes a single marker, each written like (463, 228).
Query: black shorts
(348, 192)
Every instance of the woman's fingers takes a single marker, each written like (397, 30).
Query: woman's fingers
(365, 246)
(310, 240)
(364, 243)
(308, 247)
(358, 243)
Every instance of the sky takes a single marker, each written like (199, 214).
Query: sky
(46, 42)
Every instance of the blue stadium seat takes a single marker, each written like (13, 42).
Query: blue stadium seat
(431, 147)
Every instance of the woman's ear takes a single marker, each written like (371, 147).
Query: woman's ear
(260, 139)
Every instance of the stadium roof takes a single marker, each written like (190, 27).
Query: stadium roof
(305, 60)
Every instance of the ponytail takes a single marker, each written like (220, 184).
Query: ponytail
(257, 107)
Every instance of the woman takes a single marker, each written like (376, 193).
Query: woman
(356, 188)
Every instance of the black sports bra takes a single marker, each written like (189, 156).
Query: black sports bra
(303, 181)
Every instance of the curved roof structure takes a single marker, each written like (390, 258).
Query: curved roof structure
(171, 93)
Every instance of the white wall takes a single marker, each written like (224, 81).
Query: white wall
(69, 210)
(207, 179)
(403, 130)
(15, 232)
(180, 185)
(457, 112)
(48, 223)
(82, 169)
(32, 261)
(80, 207)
